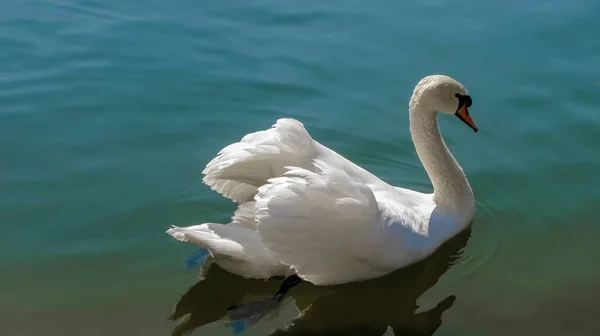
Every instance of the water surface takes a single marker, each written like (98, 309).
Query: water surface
(110, 110)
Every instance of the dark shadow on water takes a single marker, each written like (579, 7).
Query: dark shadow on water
(365, 308)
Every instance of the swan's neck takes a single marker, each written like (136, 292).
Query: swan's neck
(450, 185)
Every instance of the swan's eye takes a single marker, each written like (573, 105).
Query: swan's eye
(464, 100)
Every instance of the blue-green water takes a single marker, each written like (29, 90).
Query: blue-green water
(109, 110)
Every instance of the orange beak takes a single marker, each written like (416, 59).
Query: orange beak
(463, 114)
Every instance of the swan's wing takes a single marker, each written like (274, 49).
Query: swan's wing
(240, 168)
(323, 224)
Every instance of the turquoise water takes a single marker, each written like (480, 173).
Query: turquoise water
(110, 110)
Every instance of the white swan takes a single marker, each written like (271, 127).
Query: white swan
(306, 210)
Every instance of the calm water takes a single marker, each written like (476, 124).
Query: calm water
(109, 110)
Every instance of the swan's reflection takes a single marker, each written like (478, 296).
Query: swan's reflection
(366, 308)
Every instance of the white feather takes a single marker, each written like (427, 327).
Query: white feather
(240, 168)
(237, 246)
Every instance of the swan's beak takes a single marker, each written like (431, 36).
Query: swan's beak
(463, 114)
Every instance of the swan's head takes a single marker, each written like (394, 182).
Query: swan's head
(444, 94)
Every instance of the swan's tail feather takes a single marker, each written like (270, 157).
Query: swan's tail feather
(240, 168)
(235, 247)
(177, 233)
(210, 236)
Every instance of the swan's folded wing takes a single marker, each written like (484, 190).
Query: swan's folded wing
(324, 224)
(240, 168)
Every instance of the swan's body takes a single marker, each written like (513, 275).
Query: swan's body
(306, 210)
